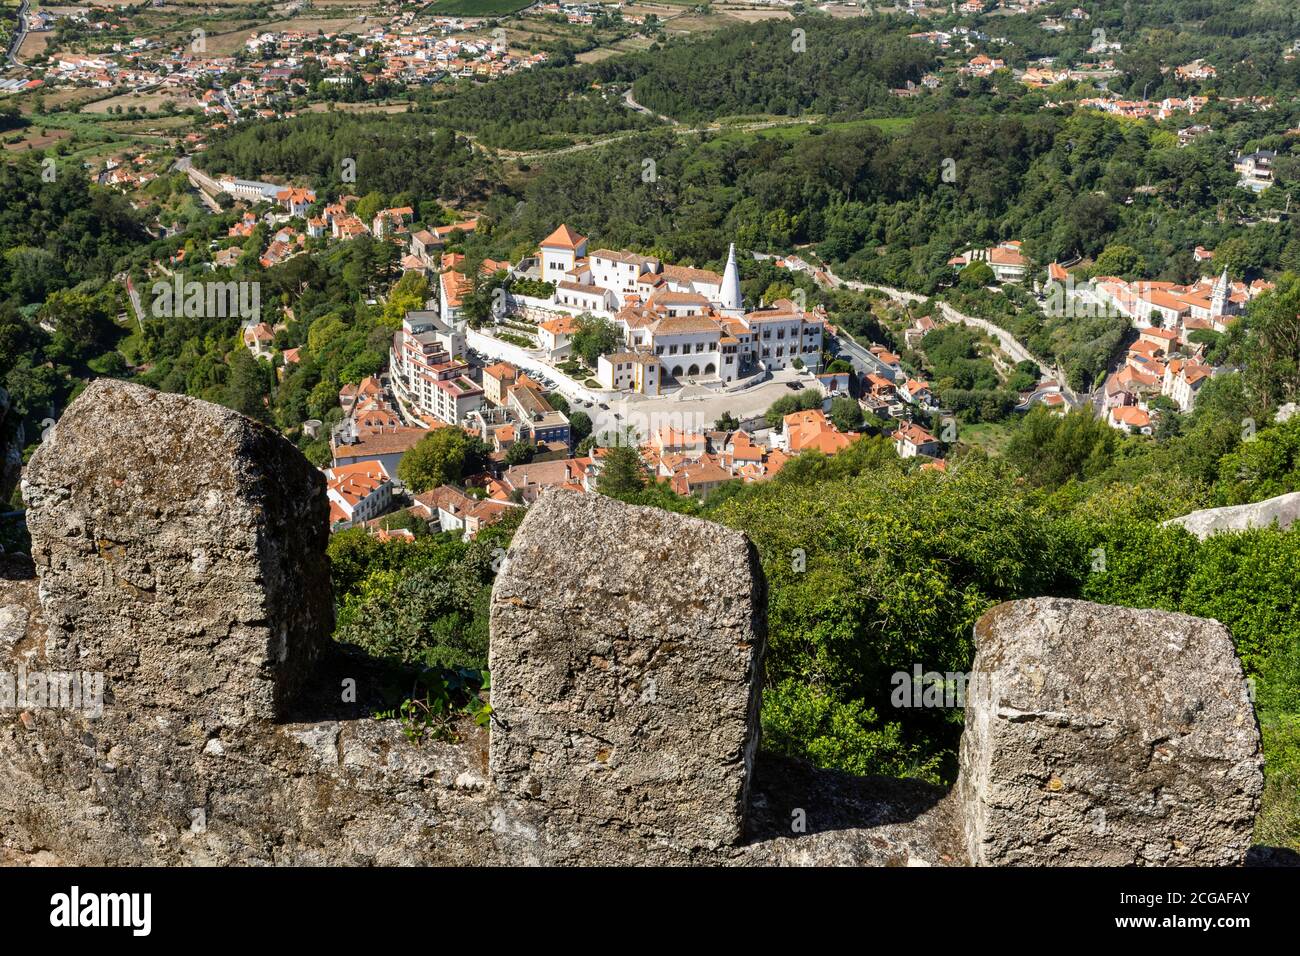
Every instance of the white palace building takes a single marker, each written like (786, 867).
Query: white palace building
(679, 324)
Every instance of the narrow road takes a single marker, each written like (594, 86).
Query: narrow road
(11, 57)
(1006, 341)
(900, 296)
(133, 295)
(630, 103)
(682, 130)
(201, 181)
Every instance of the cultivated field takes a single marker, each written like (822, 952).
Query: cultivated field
(359, 107)
(476, 8)
(149, 102)
(753, 15)
(58, 99)
(34, 138)
(224, 44)
(630, 45)
(34, 45)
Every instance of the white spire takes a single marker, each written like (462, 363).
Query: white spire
(731, 282)
(1219, 295)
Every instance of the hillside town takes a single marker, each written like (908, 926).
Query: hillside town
(272, 67)
(689, 325)
(677, 327)
(678, 331)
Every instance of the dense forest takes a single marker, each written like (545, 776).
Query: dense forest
(391, 153)
(62, 240)
(539, 109)
(56, 231)
(819, 65)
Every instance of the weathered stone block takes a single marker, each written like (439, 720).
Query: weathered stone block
(1101, 735)
(625, 659)
(1280, 512)
(181, 551)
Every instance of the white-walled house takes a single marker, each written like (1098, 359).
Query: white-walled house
(554, 334)
(1130, 418)
(911, 440)
(1183, 380)
(559, 253)
(357, 492)
(629, 371)
(424, 372)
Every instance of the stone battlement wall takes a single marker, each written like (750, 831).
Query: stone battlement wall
(179, 552)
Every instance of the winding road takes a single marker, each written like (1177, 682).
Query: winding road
(11, 56)
(1007, 342)
(631, 103)
(672, 124)
(203, 184)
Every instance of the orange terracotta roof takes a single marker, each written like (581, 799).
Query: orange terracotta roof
(809, 430)
(564, 238)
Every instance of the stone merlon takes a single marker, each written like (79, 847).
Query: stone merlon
(180, 554)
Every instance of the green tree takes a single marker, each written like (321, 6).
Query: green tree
(1120, 260)
(323, 331)
(580, 426)
(896, 566)
(248, 386)
(83, 324)
(595, 337)
(976, 275)
(409, 295)
(520, 453)
(1051, 449)
(803, 401)
(846, 414)
(1272, 350)
(444, 456)
(368, 205)
(623, 472)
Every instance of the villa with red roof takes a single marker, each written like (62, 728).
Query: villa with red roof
(357, 492)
